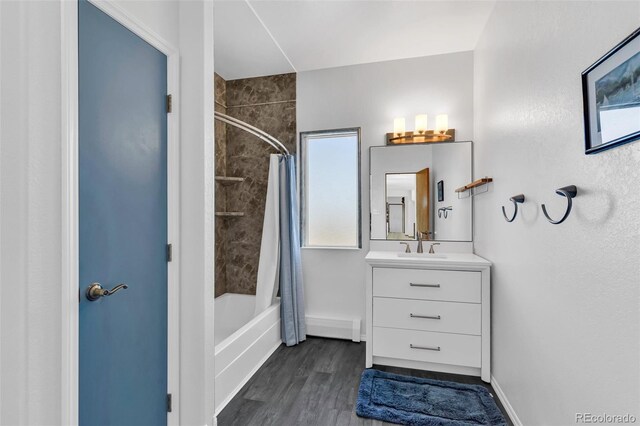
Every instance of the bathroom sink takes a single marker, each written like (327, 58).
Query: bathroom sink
(423, 255)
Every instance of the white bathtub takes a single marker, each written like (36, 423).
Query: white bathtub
(243, 342)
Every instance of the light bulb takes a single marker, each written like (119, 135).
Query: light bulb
(442, 123)
(421, 123)
(398, 126)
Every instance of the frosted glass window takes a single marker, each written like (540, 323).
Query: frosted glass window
(330, 184)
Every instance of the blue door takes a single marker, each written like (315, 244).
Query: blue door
(122, 224)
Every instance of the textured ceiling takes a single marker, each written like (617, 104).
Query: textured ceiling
(271, 37)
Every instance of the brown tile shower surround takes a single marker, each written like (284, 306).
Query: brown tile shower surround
(220, 167)
(269, 104)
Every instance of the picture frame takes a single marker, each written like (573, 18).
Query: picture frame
(611, 97)
(440, 190)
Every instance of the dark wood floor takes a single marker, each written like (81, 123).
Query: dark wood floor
(314, 383)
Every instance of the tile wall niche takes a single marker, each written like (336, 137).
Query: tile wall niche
(268, 103)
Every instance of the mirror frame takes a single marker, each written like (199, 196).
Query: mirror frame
(400, 146)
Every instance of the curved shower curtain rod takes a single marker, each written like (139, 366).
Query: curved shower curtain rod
(261, 134)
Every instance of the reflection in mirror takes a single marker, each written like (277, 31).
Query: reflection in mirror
(412, 190)
(401, 206)
(408, 205)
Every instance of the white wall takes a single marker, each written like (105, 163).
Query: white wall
(196, 252)
(30, 200)
(370, 96)
(30, 217)
(565, 298)
(160, 17)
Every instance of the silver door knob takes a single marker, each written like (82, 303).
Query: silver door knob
(95, 291)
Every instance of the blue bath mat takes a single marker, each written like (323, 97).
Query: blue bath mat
(423, 402)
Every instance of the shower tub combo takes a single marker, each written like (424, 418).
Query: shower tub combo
(247, 327)
(243, 342)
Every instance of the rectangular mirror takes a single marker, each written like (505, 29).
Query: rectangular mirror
(413, 189)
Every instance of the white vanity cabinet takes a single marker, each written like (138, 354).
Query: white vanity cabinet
(429, 312)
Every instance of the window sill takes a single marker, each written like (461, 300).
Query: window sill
(330, 248)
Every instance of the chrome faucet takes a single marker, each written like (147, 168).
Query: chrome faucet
(431, 251)
(420, 236)
(408, 249)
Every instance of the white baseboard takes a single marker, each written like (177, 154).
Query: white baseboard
(335, 328)
(505, 402)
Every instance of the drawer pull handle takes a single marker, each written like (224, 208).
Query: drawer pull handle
(426, 348)
(424, 285)
(425, 316)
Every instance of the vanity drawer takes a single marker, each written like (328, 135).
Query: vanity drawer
(448, 317)
(426, 346)
(455, 286)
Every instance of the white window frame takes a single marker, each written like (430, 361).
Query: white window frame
(303, 187)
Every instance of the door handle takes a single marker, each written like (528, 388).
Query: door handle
(95, 291)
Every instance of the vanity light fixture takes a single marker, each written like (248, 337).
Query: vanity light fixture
(442, 133)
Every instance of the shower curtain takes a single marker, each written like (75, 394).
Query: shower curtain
(292, 320)
(269, 262)
(279, 265)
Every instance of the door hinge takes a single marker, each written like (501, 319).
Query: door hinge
(168, 403)
(169, 103)
(169, 252)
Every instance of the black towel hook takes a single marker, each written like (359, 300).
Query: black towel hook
(443, 211)
(569, 192)
(516, 199)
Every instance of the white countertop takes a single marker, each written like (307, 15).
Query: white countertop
(450, 260)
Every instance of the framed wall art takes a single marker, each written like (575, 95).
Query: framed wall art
(611, 97)
(440, 190)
